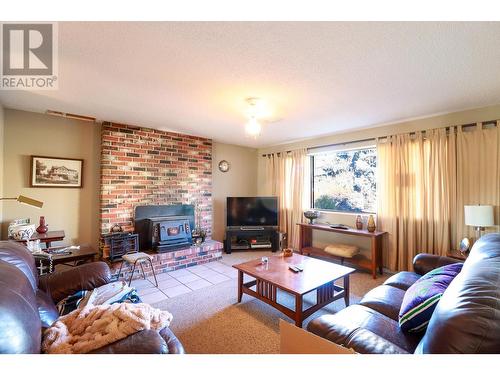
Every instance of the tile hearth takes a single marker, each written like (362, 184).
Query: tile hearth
(174, 283)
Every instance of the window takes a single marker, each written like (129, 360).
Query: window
(345, 180)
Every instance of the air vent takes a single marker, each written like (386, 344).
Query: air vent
(70, 115)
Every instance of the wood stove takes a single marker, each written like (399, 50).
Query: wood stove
(164, 228)
(170, 232)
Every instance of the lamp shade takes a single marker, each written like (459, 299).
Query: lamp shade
(479, 216)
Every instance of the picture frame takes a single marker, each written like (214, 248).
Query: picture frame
(56, 172)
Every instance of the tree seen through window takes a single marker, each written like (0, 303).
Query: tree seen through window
(345, 180)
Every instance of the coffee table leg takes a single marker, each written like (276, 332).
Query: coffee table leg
(298, 310)
(240, 285)
(346, 290)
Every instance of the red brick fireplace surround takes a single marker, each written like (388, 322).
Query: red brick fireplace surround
(141, 166)
(206, 252)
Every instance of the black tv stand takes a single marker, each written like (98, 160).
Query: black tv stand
(240, 238)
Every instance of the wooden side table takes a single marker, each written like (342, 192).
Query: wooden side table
(47, 238)
(73, 257)
(456, 255)
(306, 247)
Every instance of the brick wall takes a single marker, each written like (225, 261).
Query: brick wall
(208, 251)
(141, 166)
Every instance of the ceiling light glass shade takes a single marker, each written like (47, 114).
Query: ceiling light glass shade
(253, 127)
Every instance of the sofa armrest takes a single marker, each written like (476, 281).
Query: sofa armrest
(143, 342)
(423, 263)
(85, 277)
(147, 341)
(173, 343)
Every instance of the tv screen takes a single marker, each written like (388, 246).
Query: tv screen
(252, 211)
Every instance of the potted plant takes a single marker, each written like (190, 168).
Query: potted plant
(198, 233)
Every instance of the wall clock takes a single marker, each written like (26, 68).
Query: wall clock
(223, 166)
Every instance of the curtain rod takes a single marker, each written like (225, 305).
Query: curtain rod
(383, 137)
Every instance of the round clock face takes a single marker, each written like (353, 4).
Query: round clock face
(223, 166)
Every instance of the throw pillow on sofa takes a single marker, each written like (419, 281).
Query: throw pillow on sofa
(422, 297)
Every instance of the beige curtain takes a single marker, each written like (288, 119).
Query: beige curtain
(414, 185)
(424, 183)
(288, 173)
(478, 175)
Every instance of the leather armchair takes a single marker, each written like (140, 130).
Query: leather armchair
(27, 304)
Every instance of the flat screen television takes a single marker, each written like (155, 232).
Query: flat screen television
(252, 211)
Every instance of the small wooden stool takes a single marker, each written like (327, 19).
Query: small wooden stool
(135, 258)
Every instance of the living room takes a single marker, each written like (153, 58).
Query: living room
(250, 188)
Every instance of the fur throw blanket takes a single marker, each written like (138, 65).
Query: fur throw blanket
(93, 327)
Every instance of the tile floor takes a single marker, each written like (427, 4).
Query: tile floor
(174, 283)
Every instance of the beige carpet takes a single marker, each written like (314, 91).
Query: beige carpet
(210, 321)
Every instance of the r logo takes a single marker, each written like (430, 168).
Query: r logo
(27, 49)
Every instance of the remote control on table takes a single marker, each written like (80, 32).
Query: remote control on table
(299, 267)
(294, 269)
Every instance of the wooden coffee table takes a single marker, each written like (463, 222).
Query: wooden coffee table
(317, 275)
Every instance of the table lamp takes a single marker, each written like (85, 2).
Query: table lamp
(26, 200)
(479, 217)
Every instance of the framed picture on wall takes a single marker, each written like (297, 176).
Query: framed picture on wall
(56, 172)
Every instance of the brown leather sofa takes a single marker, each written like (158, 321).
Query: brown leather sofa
(27, 304)
(466, 319)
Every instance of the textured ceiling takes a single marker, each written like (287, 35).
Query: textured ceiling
(317, 77)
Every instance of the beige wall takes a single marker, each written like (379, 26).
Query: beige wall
(73, 210)
(321, 239)
(77, 210)
(1, 162)
(240, 180)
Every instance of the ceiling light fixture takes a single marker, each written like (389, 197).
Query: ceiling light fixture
(253, 128)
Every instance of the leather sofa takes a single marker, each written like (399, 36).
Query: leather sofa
(27, 304)
(466, 319)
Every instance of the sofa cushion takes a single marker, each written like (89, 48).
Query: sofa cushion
(364, 330)
(341, 250)
(385, 299)
(403, 280)
(467, 319)
(421, 298)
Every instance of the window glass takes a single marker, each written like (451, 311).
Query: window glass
(345, 180)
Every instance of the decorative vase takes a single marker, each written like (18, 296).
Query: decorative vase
(21, 232)
(359, 222)
(311, 215)
(42, 228)
(371, 224)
